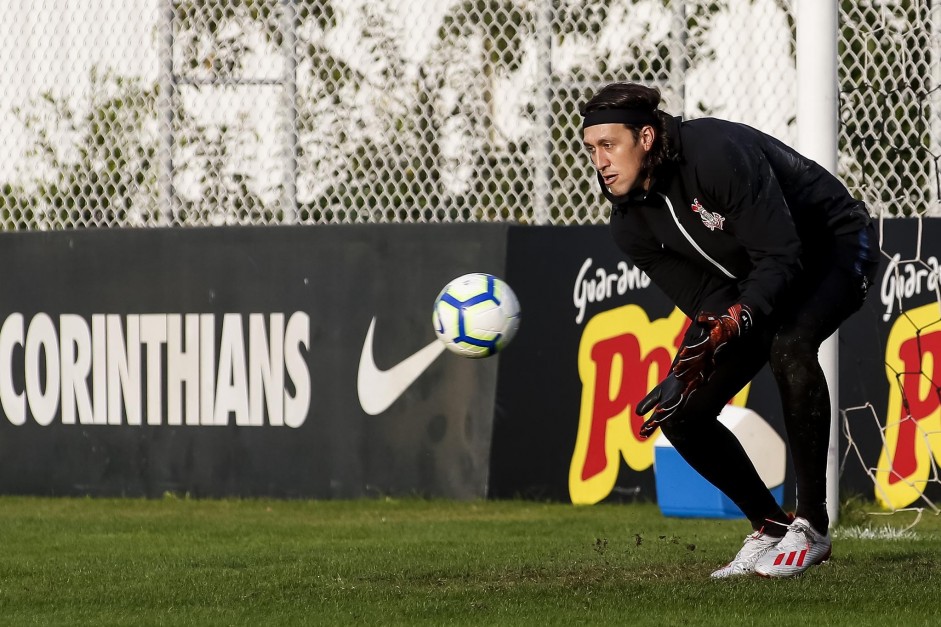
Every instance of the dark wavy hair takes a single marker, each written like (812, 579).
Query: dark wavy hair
(641, 98)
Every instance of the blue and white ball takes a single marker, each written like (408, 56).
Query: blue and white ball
(476, 315)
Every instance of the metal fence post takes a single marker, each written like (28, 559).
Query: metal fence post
(166, 194)
(289, 96)
(542, 135)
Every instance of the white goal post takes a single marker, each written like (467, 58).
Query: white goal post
(817, 135)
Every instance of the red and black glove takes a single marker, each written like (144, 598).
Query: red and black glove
(694, 365)
(667, 398)
(696, 361)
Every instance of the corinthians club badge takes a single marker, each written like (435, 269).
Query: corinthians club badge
(711, 219)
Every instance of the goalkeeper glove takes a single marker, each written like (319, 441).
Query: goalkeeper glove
(694, 365)
(696, 361)
(667, 398)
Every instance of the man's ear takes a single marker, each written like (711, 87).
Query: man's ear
(647, 135)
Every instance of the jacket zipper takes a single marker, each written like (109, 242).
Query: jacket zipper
(690, 239)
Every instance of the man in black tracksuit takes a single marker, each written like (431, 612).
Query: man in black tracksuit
(768, 254)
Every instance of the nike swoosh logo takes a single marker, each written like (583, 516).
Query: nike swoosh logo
(378, 389)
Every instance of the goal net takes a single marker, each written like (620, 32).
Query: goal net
(890, 142)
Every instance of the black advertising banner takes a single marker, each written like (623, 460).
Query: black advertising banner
(301, 362)
(890, 373)
(235, 361)
(595, 335)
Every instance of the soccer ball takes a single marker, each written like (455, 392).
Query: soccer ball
(476, 315)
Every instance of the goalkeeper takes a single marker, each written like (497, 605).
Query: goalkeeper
(768, 254)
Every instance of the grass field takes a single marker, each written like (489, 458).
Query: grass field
(411, 562)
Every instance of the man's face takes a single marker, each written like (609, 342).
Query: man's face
(617, 155)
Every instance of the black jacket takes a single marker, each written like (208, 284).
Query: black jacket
(735, 216)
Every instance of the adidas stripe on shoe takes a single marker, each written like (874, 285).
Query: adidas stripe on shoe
(801, 548)
(756, 546)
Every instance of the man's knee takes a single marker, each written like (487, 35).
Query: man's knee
(676, 429)
(791, 347)
(686, 426)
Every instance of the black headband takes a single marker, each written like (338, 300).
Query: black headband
(634, 117)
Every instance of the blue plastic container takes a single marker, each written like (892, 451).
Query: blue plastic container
(682, 492)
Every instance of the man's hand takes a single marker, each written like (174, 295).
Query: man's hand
(696, 361)
(694, 365)
(666, 399)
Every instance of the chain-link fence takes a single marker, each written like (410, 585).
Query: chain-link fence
(890, 110)
(205, 112)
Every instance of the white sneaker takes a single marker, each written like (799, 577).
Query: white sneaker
(756, 546)
(801, 548)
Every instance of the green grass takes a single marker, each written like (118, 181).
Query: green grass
(408, 562)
